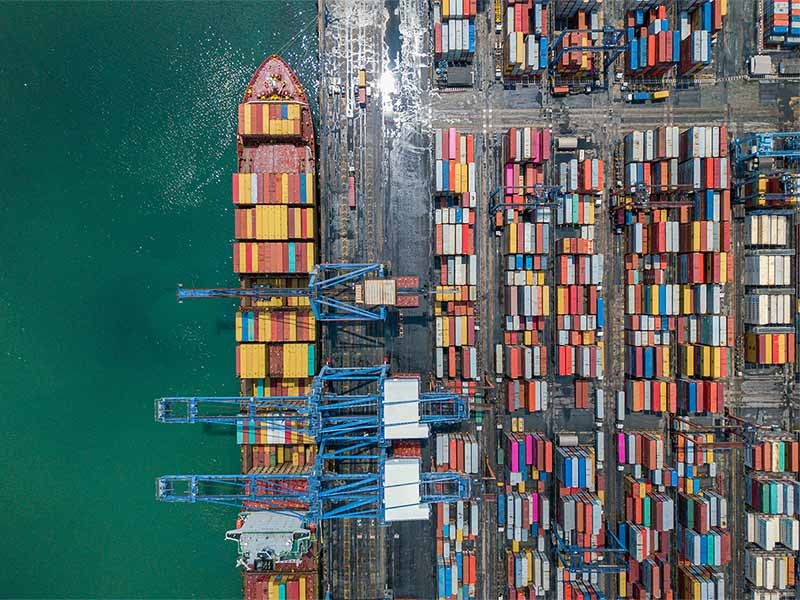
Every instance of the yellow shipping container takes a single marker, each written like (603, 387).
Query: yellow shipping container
(782, 349)
(265, 116)
(707, 361)
(688, 362)
(622, 584)
(686, 300)
(238, 326)
(751, 347)
(512, 242)
(248, 121)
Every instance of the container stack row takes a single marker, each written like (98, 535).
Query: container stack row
(525, 35)
(526, 232)
(579, 307)
(580, 518)
(782, 23)
(456, 557)
(772, 509)
(702, 540)
(457, 452)
(678, 267)
(647, 518)
(454, 30)
(455, 261)
(654, 48)
(524, 511)
(275, 231)
(456, 358)
(769, 306)
(699, 27)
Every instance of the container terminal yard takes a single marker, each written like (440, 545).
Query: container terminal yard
(519, 307)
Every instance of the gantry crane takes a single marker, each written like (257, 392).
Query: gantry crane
(328, 284)
(613, 43)
(574, 558)
(353, 420)
(536, 196)
(784, 145)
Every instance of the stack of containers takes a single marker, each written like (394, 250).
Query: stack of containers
(679, 338)
(770, 284)
(654, 48)
(782, 22)
(454, 30)
(526, 235)
(580, 520)
(700, 583)
(579, 277)
(702, 536)
(455, 262)
(275, 231)
(457, 452)
(529, 456)
(524, 510)
(528, 572)
(699, 26)
(646, 534)
(649, 515)
(705, 270)
(578, 18)
(456, 558)
(676, 313)
(772, 507)
(525, 36)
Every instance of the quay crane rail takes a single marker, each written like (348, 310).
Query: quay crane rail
(326, 281)
(349, 427)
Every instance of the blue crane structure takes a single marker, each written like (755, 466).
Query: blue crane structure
(326, 282)
(781, 146)
(784, 144)
(610, 44)
(572, 558)
(344, 412)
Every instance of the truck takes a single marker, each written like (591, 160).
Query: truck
(362, 87)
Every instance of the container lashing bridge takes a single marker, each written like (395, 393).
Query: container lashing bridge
(328, 284)
(352, 414)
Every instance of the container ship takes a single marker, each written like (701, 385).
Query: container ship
(274, 197)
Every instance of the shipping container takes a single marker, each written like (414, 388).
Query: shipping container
(271, 119)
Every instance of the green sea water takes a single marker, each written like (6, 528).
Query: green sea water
(117, 126)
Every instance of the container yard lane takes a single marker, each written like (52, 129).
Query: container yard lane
(351, 149)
